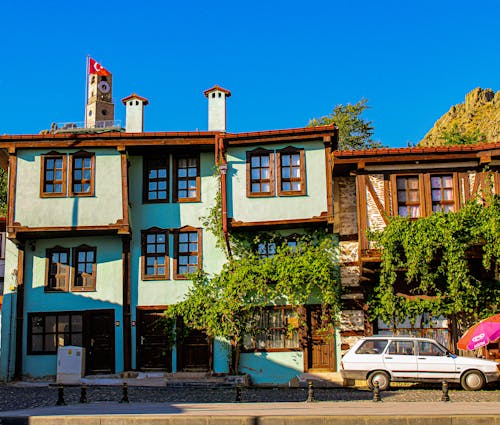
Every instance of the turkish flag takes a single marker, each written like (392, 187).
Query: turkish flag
(97, 68)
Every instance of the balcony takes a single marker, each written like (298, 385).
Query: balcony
(82, 127)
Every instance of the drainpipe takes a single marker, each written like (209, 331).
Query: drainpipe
(222, 163)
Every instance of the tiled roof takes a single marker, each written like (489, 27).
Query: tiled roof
(217, 87)
(135, 96)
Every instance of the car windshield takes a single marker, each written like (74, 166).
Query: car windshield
(372, 346)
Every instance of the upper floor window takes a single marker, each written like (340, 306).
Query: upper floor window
(266, 249)
(408, 196)
(443, 199)
(58, 267)
(155, 179)
(260, 173)
(84, 263)
(187, 257)
(82, 174)
(155, 257)
(187, 179)
(291, 172)
(53, 175)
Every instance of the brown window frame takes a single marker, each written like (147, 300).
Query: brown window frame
(290, 150)
(91, 181)
(76, 275)
(57, 276)
(266, 331)
(454, 188)
(395, 200)
(147, 163)
(57, 333)
(144, 256)
(177, 233)
(176, 179)
(249, 155)
(63, 181)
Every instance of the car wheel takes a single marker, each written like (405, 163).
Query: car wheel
(381, 377)
(472, 380)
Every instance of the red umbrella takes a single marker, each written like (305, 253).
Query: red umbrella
(481, 333)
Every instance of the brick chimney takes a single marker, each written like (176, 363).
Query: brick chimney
(134, 113)
(217, 108)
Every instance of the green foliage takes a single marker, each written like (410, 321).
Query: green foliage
(354, 132)
(455, 136)
(427, 266)
(3, 192)
(227, 304)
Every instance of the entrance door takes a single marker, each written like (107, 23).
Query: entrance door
(194, 351)
(99, 329)
(321, 343)
(153, 350)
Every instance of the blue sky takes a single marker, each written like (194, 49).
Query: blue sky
(285, 62)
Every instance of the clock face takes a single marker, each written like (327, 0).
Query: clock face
(103, 87)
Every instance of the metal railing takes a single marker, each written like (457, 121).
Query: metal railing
(83, 127)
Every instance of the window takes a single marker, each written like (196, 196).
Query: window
(372, 346)
(155, 259)
(53, 175)
(408, 196)
(442, 193)
(291, 172)
(82, 174)
(187, 179)
(266, 249)
(276, 328)
(426, 348)
(187, 252)
(57, 269)
(260, 173)
(155, 187)
(84, 263)
(48, 331)
(401, 348)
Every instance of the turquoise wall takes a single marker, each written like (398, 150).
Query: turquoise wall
(104, 208)
(275, 368)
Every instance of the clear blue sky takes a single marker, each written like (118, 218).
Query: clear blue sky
(284, 61)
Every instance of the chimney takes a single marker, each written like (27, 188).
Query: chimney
(134, 115)
(217, 108)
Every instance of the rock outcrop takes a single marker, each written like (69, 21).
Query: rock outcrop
(477, 118)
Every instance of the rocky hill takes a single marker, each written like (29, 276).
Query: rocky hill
(475, 120)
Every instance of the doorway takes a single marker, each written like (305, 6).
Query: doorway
(320, 351)
(194, 350)
(153, 349)
(99, 337)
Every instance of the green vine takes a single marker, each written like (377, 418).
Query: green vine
(434, 265)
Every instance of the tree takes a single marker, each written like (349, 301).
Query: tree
(355, 133)
(455, 136)
(431, 265)
(228, 304)
(3, 192)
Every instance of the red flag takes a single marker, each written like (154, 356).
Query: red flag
(97, 68)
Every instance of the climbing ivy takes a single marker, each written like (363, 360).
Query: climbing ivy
(433, 264)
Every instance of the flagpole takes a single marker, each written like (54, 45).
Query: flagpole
(86, 89)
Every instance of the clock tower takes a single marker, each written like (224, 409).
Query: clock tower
(100, 111)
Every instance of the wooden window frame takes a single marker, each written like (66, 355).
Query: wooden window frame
(283, 309)
(428, 191)
(75, 274)
(82, 155)
(48, 264)
(421, 193)
(177, 233)
(44, 333)
(147, 162)
(272, 183)
(290, 150)
(175, 179)
(44, 158)
(144, 254)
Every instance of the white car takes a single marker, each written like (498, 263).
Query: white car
(399, 359)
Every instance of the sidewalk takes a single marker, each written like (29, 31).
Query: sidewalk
(289, 413)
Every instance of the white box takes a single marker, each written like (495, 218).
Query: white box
(70, 364)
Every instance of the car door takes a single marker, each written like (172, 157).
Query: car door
(434, 363)
(401, 360)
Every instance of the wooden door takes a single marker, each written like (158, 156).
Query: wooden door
(99, 336)
(321, 342)
(194, 351)
(153, 350)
